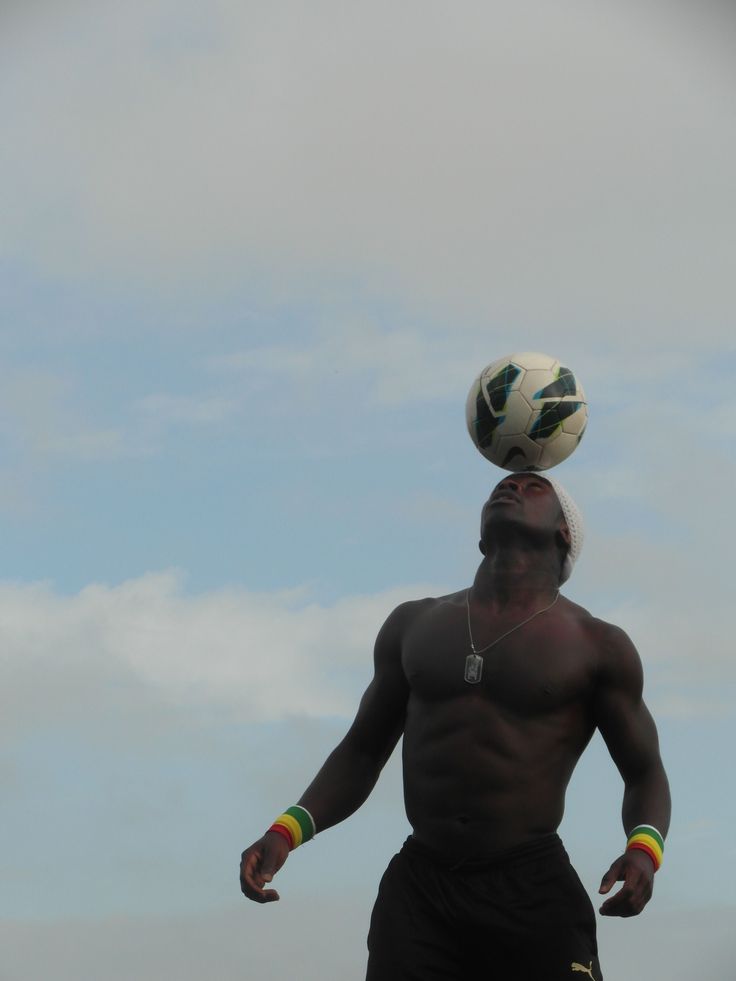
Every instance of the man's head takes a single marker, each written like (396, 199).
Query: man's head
(540, 504)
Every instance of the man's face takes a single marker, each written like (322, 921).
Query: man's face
(525, 498)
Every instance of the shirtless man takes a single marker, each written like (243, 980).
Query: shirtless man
(483, 887)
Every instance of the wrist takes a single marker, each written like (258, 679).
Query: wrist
(295, 825)
(646, 838)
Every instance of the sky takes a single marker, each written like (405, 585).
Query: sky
(251, 257)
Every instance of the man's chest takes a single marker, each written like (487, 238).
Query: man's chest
(538, 668)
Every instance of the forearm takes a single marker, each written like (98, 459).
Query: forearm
(647, 800)
(343, 783)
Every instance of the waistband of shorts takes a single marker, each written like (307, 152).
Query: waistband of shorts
(546, 846)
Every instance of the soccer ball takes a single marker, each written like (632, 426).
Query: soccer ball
(526, 412)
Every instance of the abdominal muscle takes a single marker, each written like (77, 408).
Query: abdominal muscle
(478, 780)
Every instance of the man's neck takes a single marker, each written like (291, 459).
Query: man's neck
(516, 578)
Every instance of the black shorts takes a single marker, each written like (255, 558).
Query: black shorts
(520, 916)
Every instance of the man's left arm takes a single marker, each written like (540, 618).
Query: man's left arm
(631, 737)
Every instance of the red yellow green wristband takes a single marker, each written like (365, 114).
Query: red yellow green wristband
(647, 839)
(296, 825)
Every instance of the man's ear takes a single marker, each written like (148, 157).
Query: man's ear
(564, 533)
(482, 547)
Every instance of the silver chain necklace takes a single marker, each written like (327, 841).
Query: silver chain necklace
(474, 661)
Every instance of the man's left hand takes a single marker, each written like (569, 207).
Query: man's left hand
(636, 870)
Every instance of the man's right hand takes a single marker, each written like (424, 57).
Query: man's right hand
(259, 864)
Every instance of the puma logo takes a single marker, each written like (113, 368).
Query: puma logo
(585, 970)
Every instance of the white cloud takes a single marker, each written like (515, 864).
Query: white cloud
(254, 657)
(521, 164)
(671, 598)
(39, 418)
(261, 364)
(385, 367)
(259, 657)
(170, 409)
(47, 416)
(686, 705)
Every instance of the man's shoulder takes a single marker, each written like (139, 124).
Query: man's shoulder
(597, 628)
(614, 650)
(458, 598)
(404, 617)
(409, 610)
(608, 639)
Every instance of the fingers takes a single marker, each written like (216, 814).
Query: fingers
(259, 864)
(627, 902)
(635, 893)
(253, 879)
(617, 905)
(613, 875)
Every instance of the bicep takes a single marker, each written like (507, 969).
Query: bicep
(621, 714)
(379, 721)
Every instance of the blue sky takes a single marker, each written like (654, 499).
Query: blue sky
(250, 262)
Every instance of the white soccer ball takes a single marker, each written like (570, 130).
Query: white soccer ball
(526, 412)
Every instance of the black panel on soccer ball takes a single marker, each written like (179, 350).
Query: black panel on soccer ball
(485, 422)
(499, 386)
(551, 418)
(564, 384)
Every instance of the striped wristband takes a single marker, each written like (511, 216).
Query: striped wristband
(647, 839)
(296, 825)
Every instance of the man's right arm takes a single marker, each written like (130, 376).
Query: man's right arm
(350, 772)
(630, 734)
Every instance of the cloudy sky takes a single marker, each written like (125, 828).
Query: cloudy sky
(251, 257)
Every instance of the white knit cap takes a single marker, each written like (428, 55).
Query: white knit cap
(574, 520)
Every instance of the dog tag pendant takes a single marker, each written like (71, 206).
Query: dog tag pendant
(473, 668)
